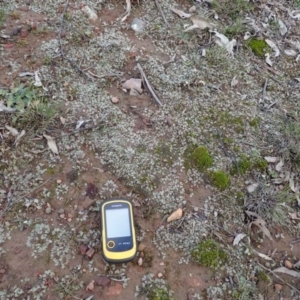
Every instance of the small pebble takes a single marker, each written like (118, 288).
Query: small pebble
(58, 181)
(48, 210)
(288, 264)
(140, 261)
(142, 247)
(159, 275)
(62, 216)
(61, 211)
(115, 100)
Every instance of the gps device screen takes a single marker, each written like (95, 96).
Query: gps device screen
(117, 223)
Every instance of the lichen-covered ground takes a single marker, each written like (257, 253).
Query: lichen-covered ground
(223, 147)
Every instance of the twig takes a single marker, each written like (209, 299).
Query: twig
(292, 287)
(267, 67)
(264, 90)
(62, 53)
(171, 60)
(121, 280)
(161, 12)
(105, 75)
(148, 85)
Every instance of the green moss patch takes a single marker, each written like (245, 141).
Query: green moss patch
(159, 294)
(245, 164)
(198, 157)
(209, 254)
(220, 180)
(258, 47)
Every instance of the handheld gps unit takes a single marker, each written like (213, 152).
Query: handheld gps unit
(118, 233)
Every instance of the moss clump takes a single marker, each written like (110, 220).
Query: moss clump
(258, 47)
(262, 276)
(209, 254)
(241, 166)
(220, 180)
(260, 164)
(198, 157)
(159, 294)
(254, 122)
(2, 17)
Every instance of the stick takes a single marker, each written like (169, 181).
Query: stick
(292, 287)
(267, 67)
(161, 12)
(148, 85)
(72, 63)
(105, 75)
(264, 90)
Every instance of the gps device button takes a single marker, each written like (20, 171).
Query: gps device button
(110, 244)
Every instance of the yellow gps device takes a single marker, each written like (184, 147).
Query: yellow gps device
(118, 233)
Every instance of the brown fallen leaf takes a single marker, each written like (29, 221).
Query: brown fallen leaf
(181, 13)
(199, 23)
(51, 143)
(287, 271)
(90, 286)
(259, 222)
(12, 130)
(176, 215)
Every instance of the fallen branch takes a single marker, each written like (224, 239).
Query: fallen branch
(152, 92)
(273, 273)
(62, 53)
(161, 12)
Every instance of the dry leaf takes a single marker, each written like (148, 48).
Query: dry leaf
(133, 83)
(279, 165)
(266, 257)
(199, 23)
(90, 286)
(176, 215)
(51, 143)
(234, 81)
(12, 130)
(271, 159)
(282, 28)
(221, 40)
(273, 46)
(19, 137)
(259, 222)
(287, 271)
(268, 60)
(4, 108)
(294, 216)
(290, 52)
(247, 36)
(297, 264)
(238, 238)
(140, 261)
(181, 13)
(63, 120)
(252, 187)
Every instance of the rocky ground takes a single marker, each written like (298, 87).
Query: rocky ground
(187, 106)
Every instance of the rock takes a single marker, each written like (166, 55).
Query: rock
(162, 263)
(115, 290)
(277, 287)
(48, 210)
(62, 216)
(267, 264)
(103, 281)
(138, 25)
(159, 275)
(140, 261)
(141, 247)
(61, 211)
(176, 215)
(90, 286)
(58, 181)
(195, 282)
(115, 100)
(83, 249)
(24, 32)
(288, 264)
(87, 203)
(192, 9)
(90, 253)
